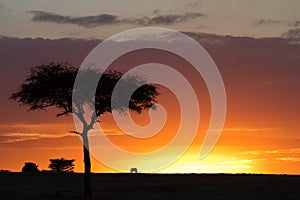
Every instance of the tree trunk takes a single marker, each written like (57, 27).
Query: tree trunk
(87, 166)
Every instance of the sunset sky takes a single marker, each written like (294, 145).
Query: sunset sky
(255, 44)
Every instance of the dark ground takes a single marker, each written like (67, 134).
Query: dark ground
(150, 186)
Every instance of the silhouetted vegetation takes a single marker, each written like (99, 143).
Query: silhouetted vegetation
(127, 186)
(62, 165)
(51, 85)
(30, 167)
(5, 171)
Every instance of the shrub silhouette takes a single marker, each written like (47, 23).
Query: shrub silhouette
(61, 165)
(30, 167)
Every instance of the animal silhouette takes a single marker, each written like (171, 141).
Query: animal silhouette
(133, 170)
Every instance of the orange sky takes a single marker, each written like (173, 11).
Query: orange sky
(261, 131)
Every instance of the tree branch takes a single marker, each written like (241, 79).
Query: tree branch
(76, 132)
(81, 118)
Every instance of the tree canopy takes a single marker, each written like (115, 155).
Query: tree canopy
(51, 85)
(61, 165)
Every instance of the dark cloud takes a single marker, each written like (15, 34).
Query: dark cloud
(295, 23)
(292, 33)
(108, 19)
(156, 11)
(86, 21)
(194, 4)
(261, 22)
(267, 22)
(168, 19)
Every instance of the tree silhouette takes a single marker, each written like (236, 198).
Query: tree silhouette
(30, 167)
(51, 85)
(62, 165)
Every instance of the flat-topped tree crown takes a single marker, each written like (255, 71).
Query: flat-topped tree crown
(51, 85)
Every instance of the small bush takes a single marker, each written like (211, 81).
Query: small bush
(30, 167)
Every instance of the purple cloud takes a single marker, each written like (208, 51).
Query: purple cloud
(109, 19)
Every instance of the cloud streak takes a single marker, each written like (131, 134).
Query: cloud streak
(14, 133)
(168, 19)
(263, 22)
(21, 137)
(86, 21)
(292, 33)
(291, 155)
(11, 133)
(239, 129)
(267, 22)
(109, 19)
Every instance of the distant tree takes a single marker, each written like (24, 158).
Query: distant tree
(61, 165)
(30, 167)
(51, 85)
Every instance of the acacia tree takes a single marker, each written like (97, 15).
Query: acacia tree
(51, 85)
(62, 165)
